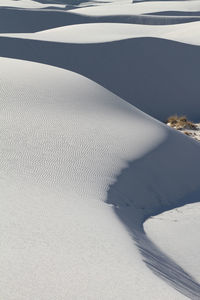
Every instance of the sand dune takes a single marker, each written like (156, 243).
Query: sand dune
(175, 13)
(48, 147)
(25, 4)
(108, 32)
(141, 8)
(157, 71)
(23, 20)
(83, 164)
(173, 240)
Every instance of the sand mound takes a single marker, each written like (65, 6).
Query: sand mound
(82, 169)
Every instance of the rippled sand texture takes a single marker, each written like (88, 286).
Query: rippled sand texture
(85, 158)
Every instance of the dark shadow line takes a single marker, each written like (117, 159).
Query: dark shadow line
(149, 73)
(16, 20)
(135, 197)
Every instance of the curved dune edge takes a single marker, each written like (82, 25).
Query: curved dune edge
(26, 4)
(74, 156)
(44, 120)
(55, 172)
(169, 70)
(138, 195)
(109, 32)
(13, 20)
(52, 121)
(140, 8)
(181, 247)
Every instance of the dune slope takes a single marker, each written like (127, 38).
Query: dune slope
(83, 163)
(109, 32)
(160, 77)
(13, 19)
(55, 172)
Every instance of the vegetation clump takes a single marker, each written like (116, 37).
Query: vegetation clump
(180, 123)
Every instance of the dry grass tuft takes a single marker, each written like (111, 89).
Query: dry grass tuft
(180, 123)
(188, 133)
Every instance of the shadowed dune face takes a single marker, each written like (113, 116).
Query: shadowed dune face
(19, 20)
(135, 201)
(176, 13)
(166, 268)
(64, 139)
(160, 77)
(161, 191)
(14, 20)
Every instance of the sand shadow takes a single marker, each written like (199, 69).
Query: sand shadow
(152, 185)
(160, 77)
(13, 20)
(70, 2)
(176, 13)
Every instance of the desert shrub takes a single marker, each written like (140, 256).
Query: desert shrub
(180, 122)
(188, 133)
(172, 119)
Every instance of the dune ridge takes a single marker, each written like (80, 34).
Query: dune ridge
(109, 32)
(170, 69)
(47, 145)
(14, 20)
(85, 166)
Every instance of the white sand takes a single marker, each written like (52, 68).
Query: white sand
(109, 32)
(81, 169)
(26, 4)
(63, 141)
(145, 7)
(181, 239)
